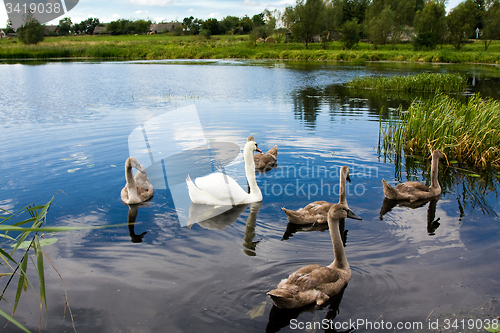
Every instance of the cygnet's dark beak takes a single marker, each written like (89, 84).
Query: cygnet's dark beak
(348, 178)
(351, 215)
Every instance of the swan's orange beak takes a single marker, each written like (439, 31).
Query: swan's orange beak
(257, 148)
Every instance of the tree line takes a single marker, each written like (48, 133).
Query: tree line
(424, 22)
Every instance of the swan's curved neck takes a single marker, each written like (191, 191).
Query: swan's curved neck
(338, 247)
(250, 172)
(434, 173)
(342, 194)
(131, 186)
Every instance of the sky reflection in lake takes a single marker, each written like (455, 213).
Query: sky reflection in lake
(72, 140)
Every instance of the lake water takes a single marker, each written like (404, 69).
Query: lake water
(65, 130)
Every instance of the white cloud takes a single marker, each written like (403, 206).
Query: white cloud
(152, 2)
(159, 19)
(3, 19)
(115, 15)
(251, 3)
(212, 15)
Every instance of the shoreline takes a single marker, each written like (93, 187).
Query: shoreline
(110, 59)
(235, 47)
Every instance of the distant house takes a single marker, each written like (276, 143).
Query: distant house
(406, 35)
(164, 27)
(2, 34)
(51, 30)
(101, 29)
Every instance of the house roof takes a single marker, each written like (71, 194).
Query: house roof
(100, 29)
(170, 26)
(51, 28)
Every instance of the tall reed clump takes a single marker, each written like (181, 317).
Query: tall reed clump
(38, 215)
(423, 82)
(27, 239)
(469, 132)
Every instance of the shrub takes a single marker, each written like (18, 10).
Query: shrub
(32, 31)
(350, 36)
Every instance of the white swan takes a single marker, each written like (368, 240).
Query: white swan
(218, 189)
(137, 189)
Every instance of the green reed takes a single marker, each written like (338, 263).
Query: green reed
(466, 132)
(423, 82)
(27, 238)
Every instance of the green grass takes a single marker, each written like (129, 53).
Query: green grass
(163, 46)
(423, 82)
(466, 132)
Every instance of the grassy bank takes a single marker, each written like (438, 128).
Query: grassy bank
(423, 82)
(223, 47)
(469, 133)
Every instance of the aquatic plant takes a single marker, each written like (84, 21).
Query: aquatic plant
(467, 132)
(423, 82)
(38, 215)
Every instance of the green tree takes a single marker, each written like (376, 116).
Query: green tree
(350, 35)
(333, 16)
(76, 29)
(118, 27)
(354, 9)
(64, 26)
(231, 24)
(491, 24)
(258, 32)
(91, 23)
(212, 25)
(141, 26)
(404, 11)
(404, 16)
(288, 16)
(379, 27)
(245, 24)
(31, 32)
(461, 22)
(86, 26)
(271, 19)
(258, 20)
(430, 25)
(480, 13)
(307, 19)
(114, 27)
(191, 26)
(187, 24)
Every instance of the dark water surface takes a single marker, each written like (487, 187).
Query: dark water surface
(64, 130)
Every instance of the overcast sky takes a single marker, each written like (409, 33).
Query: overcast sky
(168, 10)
